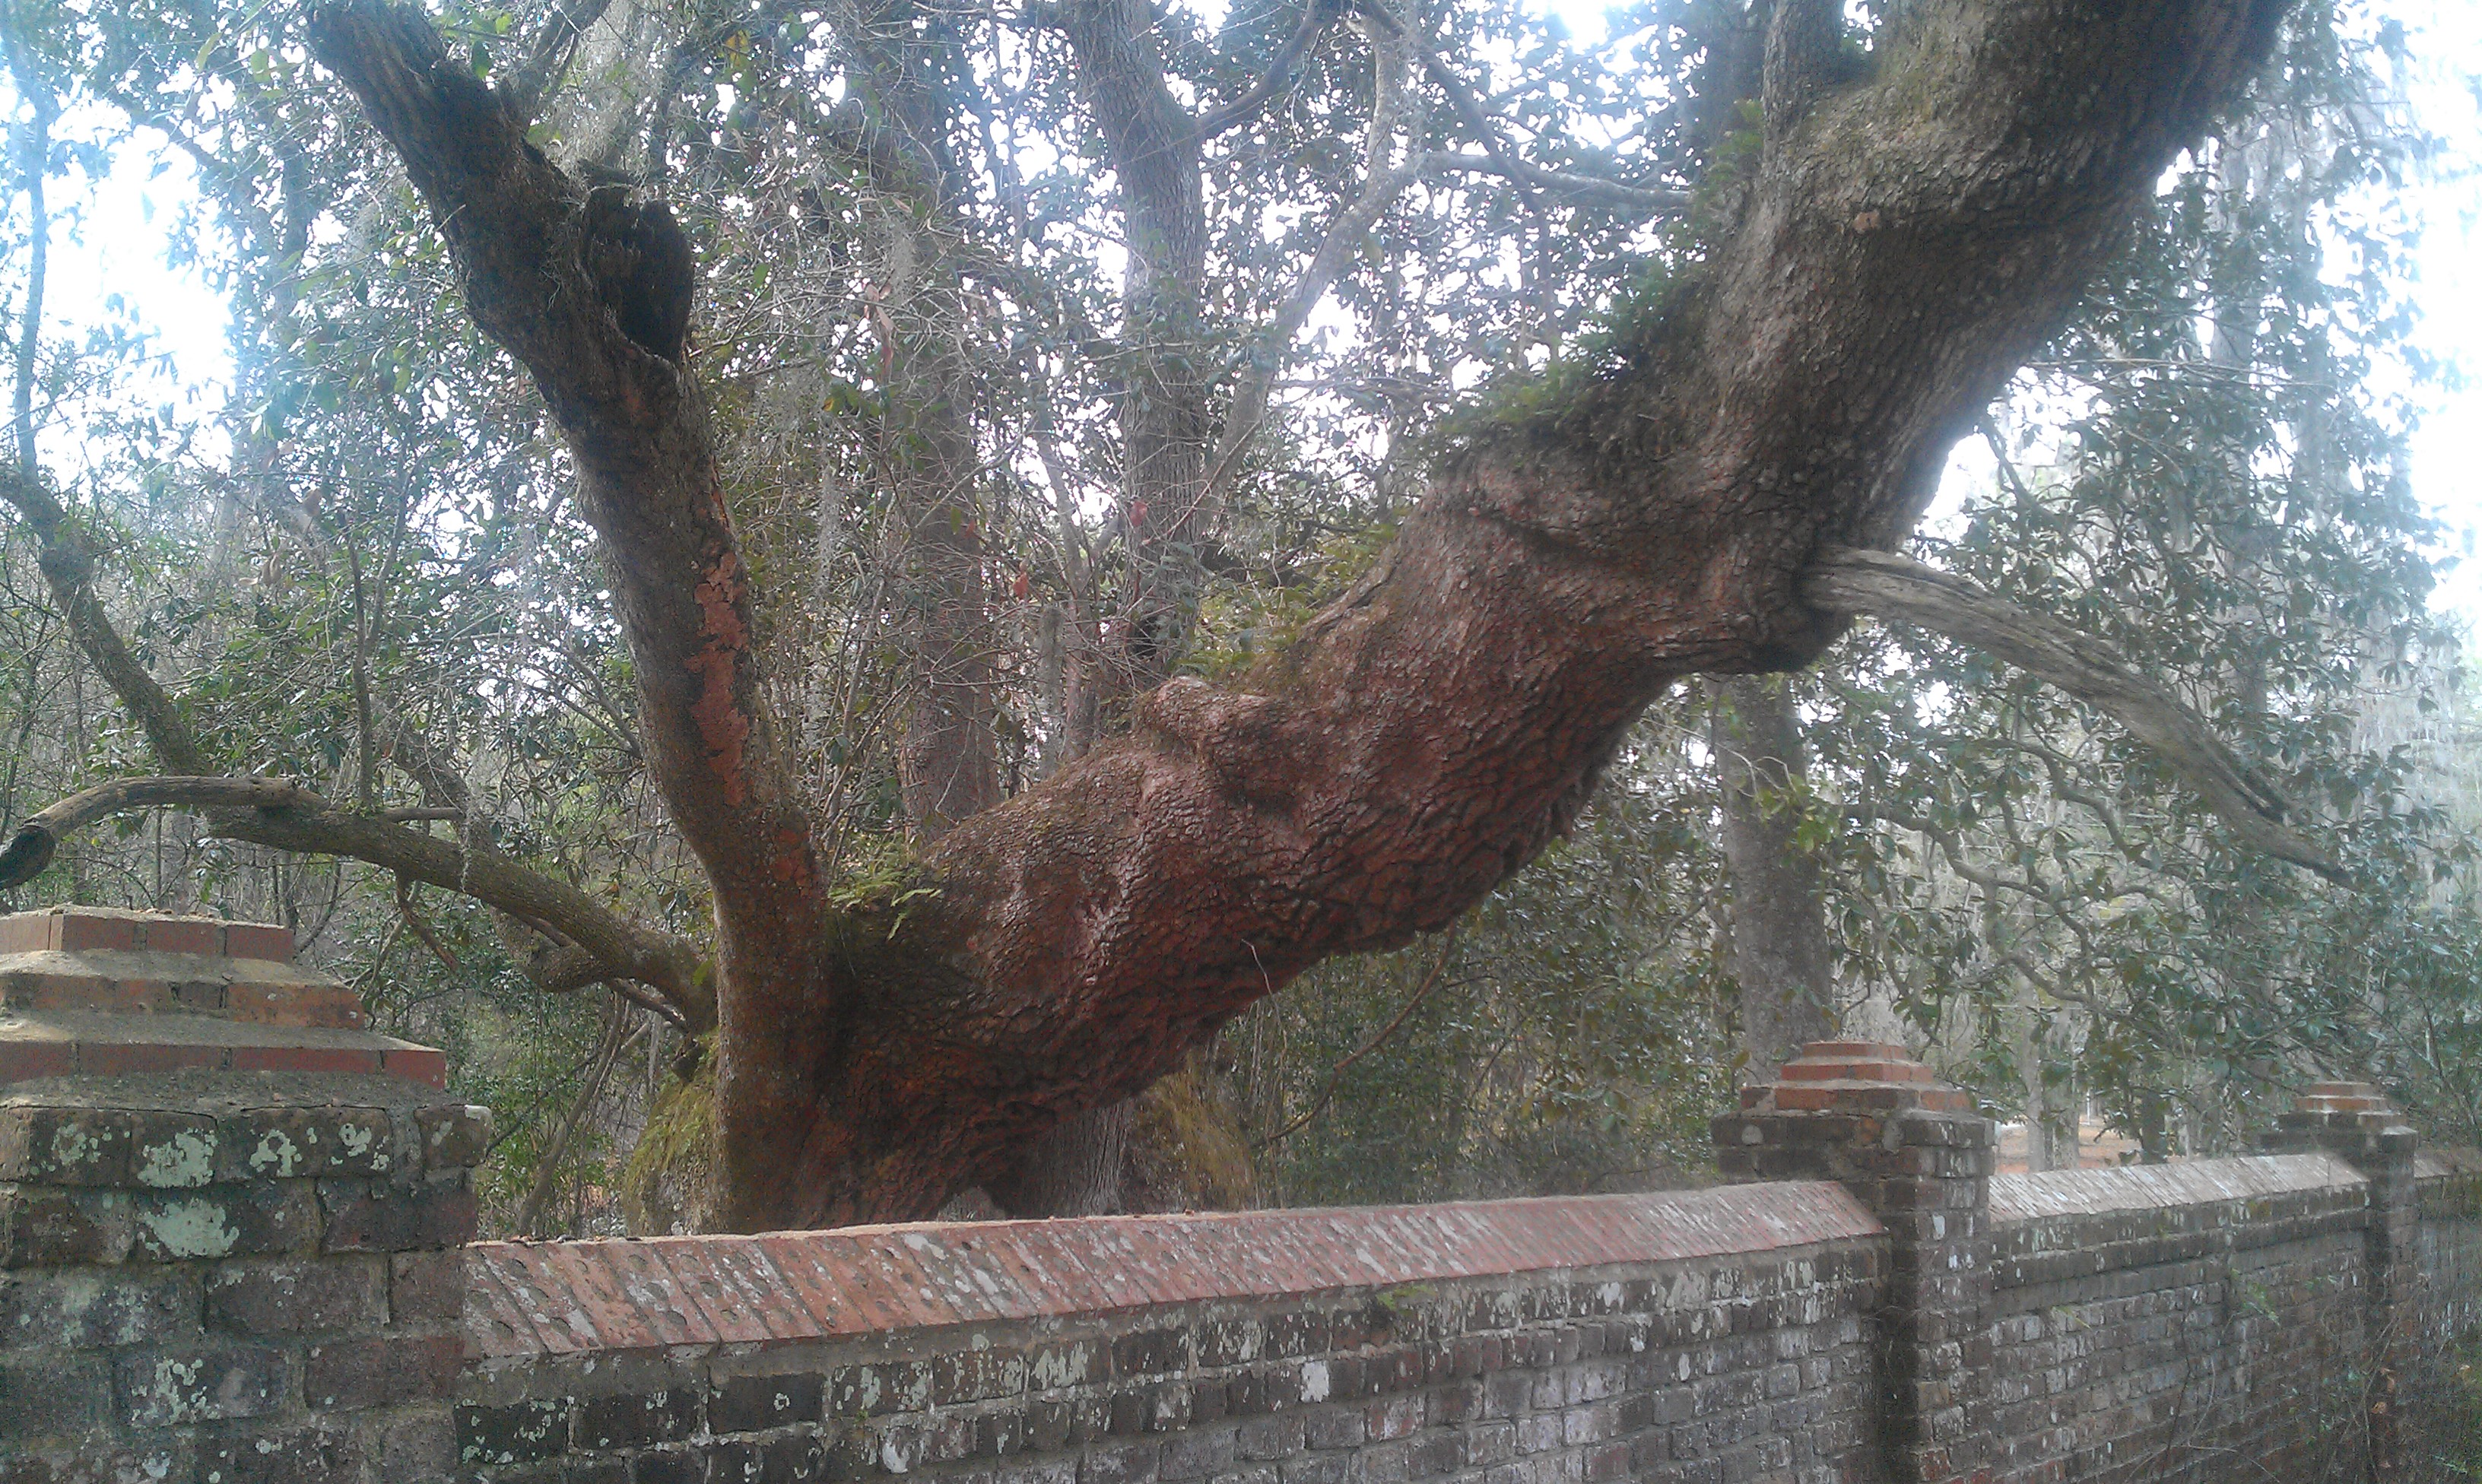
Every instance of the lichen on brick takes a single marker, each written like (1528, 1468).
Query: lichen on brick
(192, 1228)
(183, 1161)
(277, 1156)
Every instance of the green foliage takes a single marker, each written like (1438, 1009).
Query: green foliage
(1575, 1037)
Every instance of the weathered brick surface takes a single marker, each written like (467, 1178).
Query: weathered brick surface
(216, 1277)
(179, 1307)
(1529, 1341)
(1918, 1157)
(2162, 1322)
(94, 993)
(2447, 1185)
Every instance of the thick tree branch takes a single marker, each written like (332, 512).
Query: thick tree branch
(67, 563)
(30, 850)
(289, 816)
(591, 292)
(1893, 586)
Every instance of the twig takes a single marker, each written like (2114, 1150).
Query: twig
(547, 1172)
(1447, 946)
(422, 930)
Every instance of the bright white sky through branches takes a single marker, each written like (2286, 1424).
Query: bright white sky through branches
(110, 239)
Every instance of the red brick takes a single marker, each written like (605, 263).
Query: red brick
(86, 933)
(26, 991)
(213, 1383)
(303, 1059)
(1804, 1100)
(123, 1058)
(1858, 1071)
(427, 1287)
(1875, 1050)
(28, 933)
(324, 1006)
(420, 1064)
(23, 1059)
(259, 940)
(295, 1295)
(378, 1215)
(199, 994)
(47, 1226)
(183, 935)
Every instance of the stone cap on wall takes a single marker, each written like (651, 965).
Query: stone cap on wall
(94, 991)
(2342, 1098)
(555, 1298)
(2447, 1163)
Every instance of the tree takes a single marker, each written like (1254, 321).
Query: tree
(1903, 223)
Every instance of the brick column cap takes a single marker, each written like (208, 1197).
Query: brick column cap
(75, 929)
(2342, 1098)
(100, 991)
(1853, 1077)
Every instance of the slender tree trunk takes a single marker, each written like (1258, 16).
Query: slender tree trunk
(1779, 949)
(948, 758)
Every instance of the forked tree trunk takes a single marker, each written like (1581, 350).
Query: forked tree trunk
(1903, 242)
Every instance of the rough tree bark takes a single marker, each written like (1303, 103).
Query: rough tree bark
(1905, 240)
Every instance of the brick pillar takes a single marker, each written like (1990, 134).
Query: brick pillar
(1914, 1152)
(230, 1216)
(2356, 1122)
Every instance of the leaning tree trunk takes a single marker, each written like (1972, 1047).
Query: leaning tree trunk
(1780, 952)
(1902, 242)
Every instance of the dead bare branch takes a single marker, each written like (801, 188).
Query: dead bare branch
(1847, 580)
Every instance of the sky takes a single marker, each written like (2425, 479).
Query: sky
(114, 240)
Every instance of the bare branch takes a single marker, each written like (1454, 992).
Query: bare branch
(1279, 74)
(1560, 183)
(1847, 580)
(616, 1033)
(1498, 159)
(1395, 110)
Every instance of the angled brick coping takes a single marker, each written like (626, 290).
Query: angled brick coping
(2447, 1163)
(549, 1299)
(2027, 1197)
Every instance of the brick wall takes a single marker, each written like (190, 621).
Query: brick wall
(2448, 1184)
(221, 1274)
(1699, 1336)
(207, 1279)
(2159, 1322)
